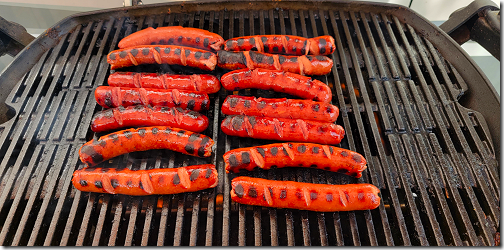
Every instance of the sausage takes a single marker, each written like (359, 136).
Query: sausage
(279, 81)
(146, 182)
(280, 108)
(142, 139)
(206, 83)
(162, 54)
(304, 196)
(290, 154)
(287, 45)
(174, 35)
(304, 65)
(113, 97)
(141, 116)
(282, 129)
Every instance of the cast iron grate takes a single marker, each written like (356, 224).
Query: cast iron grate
(432, 158)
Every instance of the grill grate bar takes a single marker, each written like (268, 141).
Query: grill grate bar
(454, 193)
(358, 117)
(460, 136)
(54, 172)
(19, 194)
(59, 207)
(444, 133)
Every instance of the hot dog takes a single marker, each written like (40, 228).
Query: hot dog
(305, 65)
(304, 196)
(142, 139)
(146, 182)
(280, 108)
(306, 155)
(288, 45)
(278, 81)
(282, 129)
(205, 83)
(113, 97)
(141, 116)
(162, 54)
(175, 35)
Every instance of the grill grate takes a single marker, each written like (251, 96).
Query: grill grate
(432, 159)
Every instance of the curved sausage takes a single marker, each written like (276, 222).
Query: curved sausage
(280, 108)
(290, 154)
(279, 81)
(283, 44)
(176, 35)
(205, 83)
(304, 65)
(162, 54)
(146, 182)
(142, 139)
(304, 196)
(142, 116)
(113, 97)
(282, 129)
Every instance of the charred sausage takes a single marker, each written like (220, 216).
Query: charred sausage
(290, 154)
(280, 108)
(142, 139)
(282, 129)
(142, 116)
(205, 83)
(304, 65)
(162, 54)
(279, 81)
(113, 97)
(146, 182)
(304, 196)
(174, 35)
(283, 44)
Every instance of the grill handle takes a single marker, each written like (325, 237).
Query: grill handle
(13, 37)
(478, 21)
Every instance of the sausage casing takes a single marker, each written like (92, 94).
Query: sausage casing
(304, 196)
(142, 139)
(279, 81)
(282, 129)
(146, 182)
(205, 83)
(283, 44)
(290, 154)
(280, 108)
(162, 54)
(113, 97)
(305, 65)
(174, 35)
(142, 116)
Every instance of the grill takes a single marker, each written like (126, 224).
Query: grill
(410, 101)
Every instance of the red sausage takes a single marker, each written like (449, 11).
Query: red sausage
(280, 108)
(146, 182)
(206, 83)
(304, 65)
(176, 35)
(141, 116)
(282, 129)
(113, 97)
(290, 154)
(142, 139)
(278, 81)
(304, 196)
(162, 54)
(287, 45)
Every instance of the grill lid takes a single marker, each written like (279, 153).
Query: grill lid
(398, 81)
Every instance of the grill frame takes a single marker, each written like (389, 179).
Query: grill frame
(302, 229)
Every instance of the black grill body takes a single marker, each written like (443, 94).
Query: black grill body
(411, 101)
